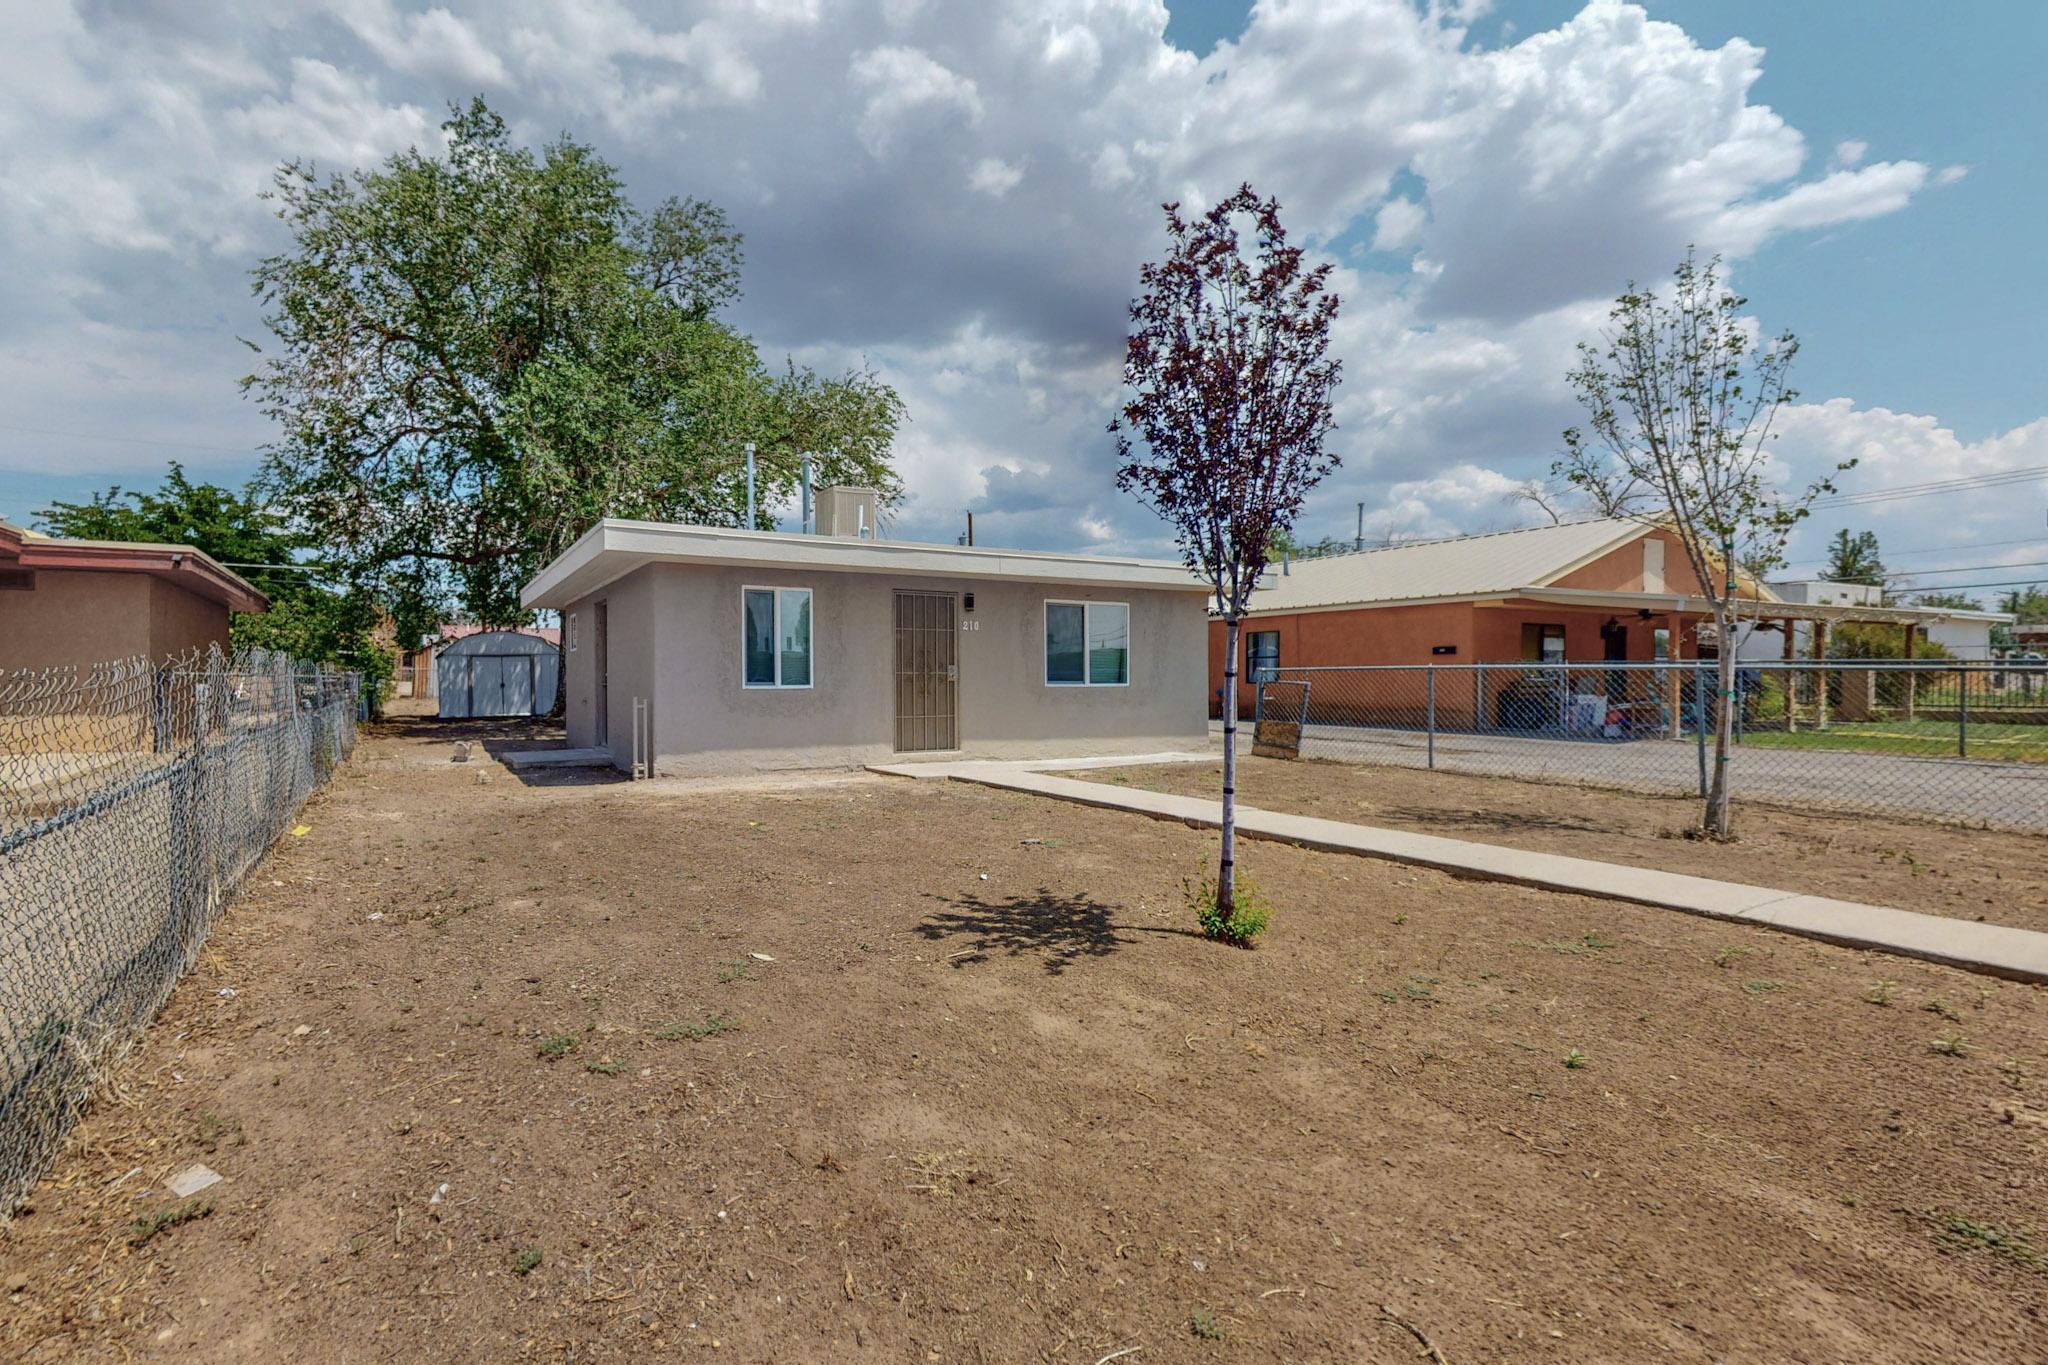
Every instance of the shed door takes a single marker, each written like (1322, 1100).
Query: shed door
(519, 684)
(492, 686)
(927, 672)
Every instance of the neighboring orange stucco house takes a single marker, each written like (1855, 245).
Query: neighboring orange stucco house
(84, 602)
(1585, 592)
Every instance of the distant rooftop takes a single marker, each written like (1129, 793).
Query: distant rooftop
(1460, 566)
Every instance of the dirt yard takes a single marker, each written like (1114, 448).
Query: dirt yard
(1936, 869)
(867, 1069)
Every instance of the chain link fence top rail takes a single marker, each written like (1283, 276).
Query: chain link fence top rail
(134, 797)
(1943, 740)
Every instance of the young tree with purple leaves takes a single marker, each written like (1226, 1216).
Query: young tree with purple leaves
(1230, 385)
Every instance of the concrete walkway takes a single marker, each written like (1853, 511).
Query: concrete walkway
(1996, 950)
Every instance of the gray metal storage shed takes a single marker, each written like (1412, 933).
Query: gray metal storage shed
(496, 673)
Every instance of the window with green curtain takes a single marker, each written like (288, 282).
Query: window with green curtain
(1066, 634)
(760, 637)
(794, 631)
(1109, 642)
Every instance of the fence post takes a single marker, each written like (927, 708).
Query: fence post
(1478, 697)
(1962, 712)
(1430, 683)
(1699, 724)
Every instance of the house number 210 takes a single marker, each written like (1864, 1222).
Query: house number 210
(970, 625)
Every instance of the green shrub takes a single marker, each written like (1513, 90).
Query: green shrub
(1249, 915)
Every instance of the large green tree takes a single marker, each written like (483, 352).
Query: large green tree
(1855, 559)
(479, 353)
(2029, 604)
(315, 614)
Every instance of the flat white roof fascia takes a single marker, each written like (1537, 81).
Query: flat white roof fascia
(612, 549)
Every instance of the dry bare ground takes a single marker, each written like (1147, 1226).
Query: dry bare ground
(867, 1069)
(1938, 869)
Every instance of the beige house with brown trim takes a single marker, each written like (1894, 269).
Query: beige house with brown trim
(699, 649)
(78, 603)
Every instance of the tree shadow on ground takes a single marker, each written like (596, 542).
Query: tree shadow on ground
(1502, 821)
(1061, 930)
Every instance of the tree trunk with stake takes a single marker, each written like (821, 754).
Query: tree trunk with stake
(1680, 406)
(1226, 871)
(1229, 404)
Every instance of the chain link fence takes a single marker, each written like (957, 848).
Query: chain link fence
(1934, 739)
(134, 797)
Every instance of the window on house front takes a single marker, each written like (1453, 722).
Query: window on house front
(1262, 654)
(1542, 644)
(1087, 644)
(776, 623)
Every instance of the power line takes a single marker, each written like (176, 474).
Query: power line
(1935, 550)
(128, 440)
(1958, 587)
(1974, 568)
(1966, 484)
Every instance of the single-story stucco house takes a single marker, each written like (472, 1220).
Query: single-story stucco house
(77, 603)
(704, 649)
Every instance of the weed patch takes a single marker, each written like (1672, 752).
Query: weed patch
(162, 1220)
(2011, 1245)
(215, 1131)
(1249, 915)
(1585, 943)
(557, 1045)
(713, 1025)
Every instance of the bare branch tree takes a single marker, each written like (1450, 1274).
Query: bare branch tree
(1680, 409)
(1222, 434)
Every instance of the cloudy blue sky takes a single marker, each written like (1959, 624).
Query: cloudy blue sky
(961, 194)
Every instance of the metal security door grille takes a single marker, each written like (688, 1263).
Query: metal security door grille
(927, 672)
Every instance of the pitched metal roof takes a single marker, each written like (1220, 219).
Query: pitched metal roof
(1467, 566)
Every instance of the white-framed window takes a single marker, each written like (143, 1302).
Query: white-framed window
(775, 637)
(1087, 644)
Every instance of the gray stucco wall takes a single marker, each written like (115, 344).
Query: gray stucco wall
(632, 646)
(675, 637)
